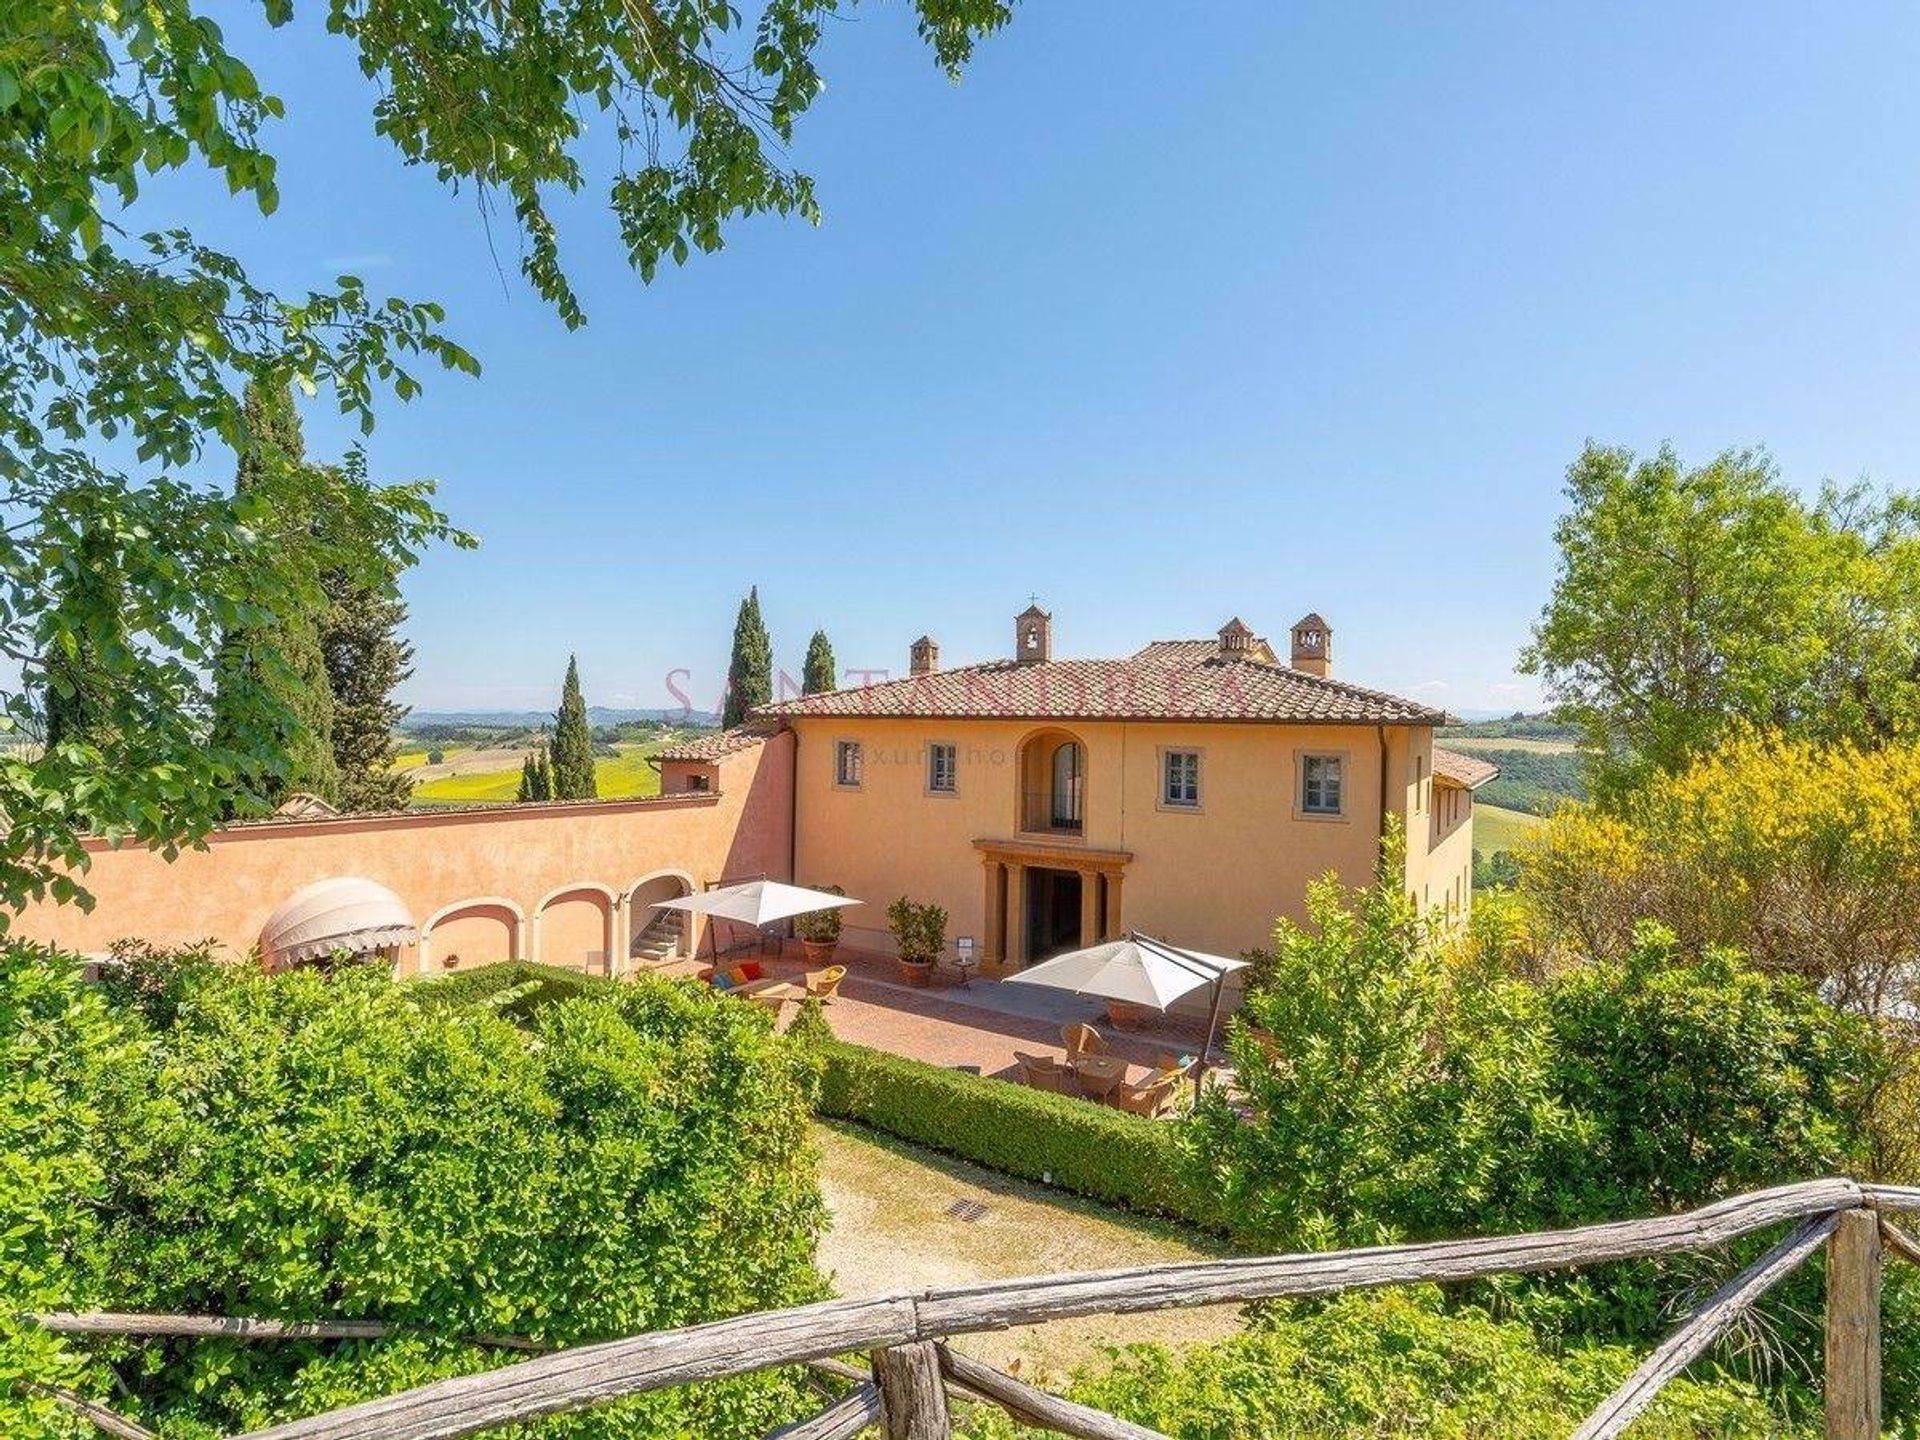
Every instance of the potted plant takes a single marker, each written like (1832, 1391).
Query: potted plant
(819, 931)
(919, 935)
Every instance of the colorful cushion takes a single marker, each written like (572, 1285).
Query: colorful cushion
(723, 980)
(752, 970)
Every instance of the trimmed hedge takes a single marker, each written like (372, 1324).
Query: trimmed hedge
(534, 986)
(1074, 1145)
(1107, 1155)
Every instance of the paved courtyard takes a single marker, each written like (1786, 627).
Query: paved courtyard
(977, 1025)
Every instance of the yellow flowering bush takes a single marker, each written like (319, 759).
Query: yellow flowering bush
(1805, 856)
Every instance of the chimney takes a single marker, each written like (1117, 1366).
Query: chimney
(1313, 646)
(1032, 635)
(1236, 640)
(923, 656)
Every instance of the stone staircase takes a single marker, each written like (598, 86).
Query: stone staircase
(660, 940)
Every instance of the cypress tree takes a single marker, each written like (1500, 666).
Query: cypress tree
(750, 672)
(572, 746)
(819, 673)
(542, 777)
(78, 693)
(281, 659)
(366, 662)
(526, 779)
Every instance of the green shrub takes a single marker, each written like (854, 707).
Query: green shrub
(1387, 1095)
(919, 930)
(635, 1158)
(1091, 1150)
(512, 988)
(62, 1051)
(1363, 1367)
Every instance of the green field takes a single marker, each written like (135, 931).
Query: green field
(1478, 743)
(1498, 829)
(625, 776)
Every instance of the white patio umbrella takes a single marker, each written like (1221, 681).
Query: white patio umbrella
(1139, 970)
(758, 903)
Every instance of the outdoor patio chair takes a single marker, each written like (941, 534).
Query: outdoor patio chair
(1082, 1039)
(825, 984)
(1148, 1098)
(1043, 1072)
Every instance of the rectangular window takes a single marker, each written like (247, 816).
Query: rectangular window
(943, 769)
(1180, 778)
(1320, 784)
(846, 762)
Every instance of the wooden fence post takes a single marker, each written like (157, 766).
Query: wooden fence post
(913, 1394)
(1853, 1328)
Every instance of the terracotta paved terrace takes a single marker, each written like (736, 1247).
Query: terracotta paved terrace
(975, 1025)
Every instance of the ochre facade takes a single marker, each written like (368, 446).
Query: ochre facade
(1182, 791)
(563, 884)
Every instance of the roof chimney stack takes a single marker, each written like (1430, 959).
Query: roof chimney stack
(1236, 640)
(923, 656)
(1312, 646)
(1032, 635)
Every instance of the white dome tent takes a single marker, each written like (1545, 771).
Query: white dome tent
(347, 914)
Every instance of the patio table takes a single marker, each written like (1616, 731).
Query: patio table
(1099, 1074)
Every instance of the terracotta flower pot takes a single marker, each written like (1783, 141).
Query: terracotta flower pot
(917, 973)
(818, 952)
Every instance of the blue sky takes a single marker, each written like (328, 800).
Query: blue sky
(1163, 315)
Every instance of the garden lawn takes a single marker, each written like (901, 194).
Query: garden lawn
(892, 1229)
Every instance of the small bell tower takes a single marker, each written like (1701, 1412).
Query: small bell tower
(923, 656)
(1032, 635)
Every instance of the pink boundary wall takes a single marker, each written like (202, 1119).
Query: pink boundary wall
(568, 869)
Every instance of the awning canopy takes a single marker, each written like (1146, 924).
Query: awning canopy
(1136, 969)
(347, 913)
(757, 902)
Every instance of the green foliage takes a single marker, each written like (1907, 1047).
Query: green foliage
(1363, 1367)
(821, 926)
(63, 1054)
(366, 661)
(819, 673)
(1091, 1150)
(625, 1158)
(1388, 1095)
(1535, 781)
(1497, 871)
(1691, 602)
(750, 667)
(1517, 726)
(127, 347)
(77, 678)
(277, 659)
(571, 749)
(919, 930)
(810, 1029)
(1803, 855)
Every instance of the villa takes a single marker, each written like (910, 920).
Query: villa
(1192, 789)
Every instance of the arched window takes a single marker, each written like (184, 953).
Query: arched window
(1069, 778)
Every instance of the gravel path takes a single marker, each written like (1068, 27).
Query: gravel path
(892, 1231)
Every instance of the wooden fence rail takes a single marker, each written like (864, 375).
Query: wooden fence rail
(912, 1369)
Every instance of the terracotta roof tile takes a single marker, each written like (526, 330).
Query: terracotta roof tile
(1468, 770)
(718, 744)
(1167, 680)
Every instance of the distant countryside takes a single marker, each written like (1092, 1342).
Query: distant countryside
(1539, 768)
(471, 763)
